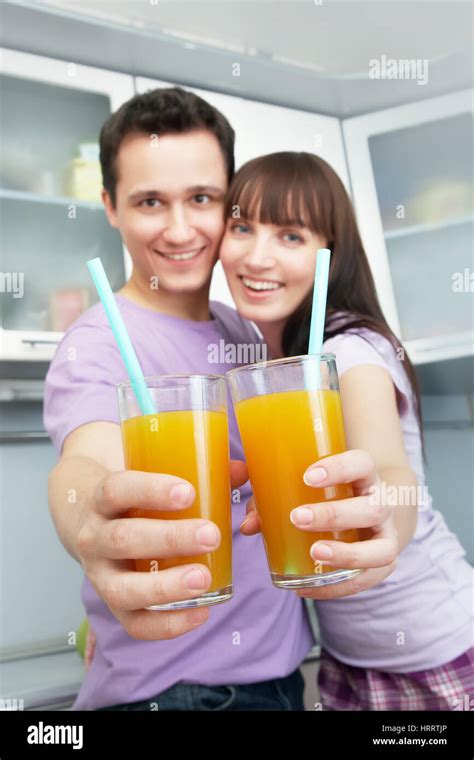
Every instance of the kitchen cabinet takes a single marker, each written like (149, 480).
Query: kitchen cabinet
(52, 218)
(411, 174)
(40, 605)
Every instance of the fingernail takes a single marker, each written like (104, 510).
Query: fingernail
(207, 536)
(195, 580)
(301, 516)
(314, 476)
(181, 494)
(245, 521)
(197, 616)
(321, 551)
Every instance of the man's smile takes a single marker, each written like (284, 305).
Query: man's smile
(181, 256)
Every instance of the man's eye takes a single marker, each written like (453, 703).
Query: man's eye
(201, 198)
(149, 202)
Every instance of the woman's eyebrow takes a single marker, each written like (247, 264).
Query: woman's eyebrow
(238, 219)
(293, 222)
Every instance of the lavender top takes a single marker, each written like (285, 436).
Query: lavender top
(421, 616)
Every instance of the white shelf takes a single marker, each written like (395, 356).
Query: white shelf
(22, 390)
(429, 350)
(59, 200)
(45, 682)
(418, 229)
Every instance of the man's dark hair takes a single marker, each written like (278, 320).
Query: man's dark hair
(169, 110)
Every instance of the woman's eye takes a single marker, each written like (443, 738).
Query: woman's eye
(201, 198)
(149, 202)
(292, 237)
(240, 228)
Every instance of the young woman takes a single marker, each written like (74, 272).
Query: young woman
(404, 643)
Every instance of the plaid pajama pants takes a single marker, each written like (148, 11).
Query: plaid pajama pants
(447, 687)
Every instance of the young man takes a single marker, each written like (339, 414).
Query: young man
(167, 158)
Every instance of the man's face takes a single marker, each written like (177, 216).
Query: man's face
(169, 207)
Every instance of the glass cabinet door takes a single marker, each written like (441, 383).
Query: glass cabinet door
(52, 218)
(412, 176)
(423, 176)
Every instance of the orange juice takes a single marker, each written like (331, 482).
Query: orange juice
(282, 434)
(193, 445)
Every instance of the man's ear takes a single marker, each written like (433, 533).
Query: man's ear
(109, 207)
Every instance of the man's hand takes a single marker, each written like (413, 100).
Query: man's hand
(108, 541)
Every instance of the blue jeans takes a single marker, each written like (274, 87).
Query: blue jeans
(277, 694)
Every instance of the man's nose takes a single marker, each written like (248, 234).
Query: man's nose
(178, 229)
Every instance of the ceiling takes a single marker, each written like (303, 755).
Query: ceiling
(313, 55)
(337, 38)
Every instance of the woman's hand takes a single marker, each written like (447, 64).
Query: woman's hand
(376, 555)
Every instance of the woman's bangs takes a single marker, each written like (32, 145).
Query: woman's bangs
(268, 202)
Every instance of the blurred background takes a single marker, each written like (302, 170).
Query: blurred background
(381, 90)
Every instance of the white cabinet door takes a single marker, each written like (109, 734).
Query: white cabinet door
(411, 171)
(50, 181)
(264, 128)
(261, 128)
(39, 583)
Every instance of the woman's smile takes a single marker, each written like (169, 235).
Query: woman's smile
(259, 287)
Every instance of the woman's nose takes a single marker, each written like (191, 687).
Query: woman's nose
(259, 257)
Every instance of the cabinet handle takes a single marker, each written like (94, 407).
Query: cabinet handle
(23, 435)
(33, 342)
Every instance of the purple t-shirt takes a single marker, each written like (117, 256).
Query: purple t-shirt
(421, 616)
(260, 634)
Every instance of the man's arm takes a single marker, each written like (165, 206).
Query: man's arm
(89, 453)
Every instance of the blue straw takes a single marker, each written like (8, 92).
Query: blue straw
(320, 292)
(121, 336)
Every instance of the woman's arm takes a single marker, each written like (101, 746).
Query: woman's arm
(377, 468)
(372, 424)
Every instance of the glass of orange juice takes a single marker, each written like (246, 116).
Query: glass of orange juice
(187, 437)
(289, 416)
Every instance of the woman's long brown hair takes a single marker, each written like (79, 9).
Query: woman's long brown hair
(300, 189)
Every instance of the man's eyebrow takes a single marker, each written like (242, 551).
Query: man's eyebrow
(214, 189)
(142, 194)
(206, 189)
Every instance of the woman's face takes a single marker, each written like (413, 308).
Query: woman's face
(269, 268)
